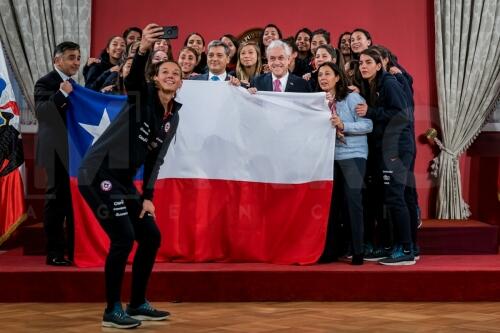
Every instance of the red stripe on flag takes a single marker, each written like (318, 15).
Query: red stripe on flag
(12, 205)
(11, 105)
(218, 220)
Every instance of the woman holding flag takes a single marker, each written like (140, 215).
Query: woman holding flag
(351, 151)
(140, 135)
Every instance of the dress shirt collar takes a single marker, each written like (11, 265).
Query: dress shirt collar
(222, 77)
(63, 76)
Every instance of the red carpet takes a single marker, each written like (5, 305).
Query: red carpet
(458, 237)
(435, 237)
(433, 278)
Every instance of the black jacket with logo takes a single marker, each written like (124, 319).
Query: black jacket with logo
(392, 118)
(138, 136)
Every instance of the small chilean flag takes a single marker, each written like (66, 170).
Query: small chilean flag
(248, 178)
(12, 205)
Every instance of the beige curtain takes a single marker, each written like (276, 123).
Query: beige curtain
(468, 84)
(30, 30)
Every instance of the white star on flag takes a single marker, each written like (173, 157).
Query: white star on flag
(97, 130)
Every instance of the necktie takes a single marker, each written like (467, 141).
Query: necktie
(215, 78)
(277, 85)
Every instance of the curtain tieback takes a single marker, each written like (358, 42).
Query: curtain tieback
(435, 161)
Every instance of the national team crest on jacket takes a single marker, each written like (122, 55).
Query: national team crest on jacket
(167, 127)
(106, 185)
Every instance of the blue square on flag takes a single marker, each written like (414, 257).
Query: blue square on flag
(88, 116)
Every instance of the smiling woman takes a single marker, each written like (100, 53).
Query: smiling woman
(139, 135)
(109, 61)
(392, 151)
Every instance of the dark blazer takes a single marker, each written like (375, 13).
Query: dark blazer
(204, 77)
(264, 82)
(50, 109)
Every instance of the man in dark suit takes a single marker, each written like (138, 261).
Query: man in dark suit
(279, 79)
(51, 103)
(217, 60)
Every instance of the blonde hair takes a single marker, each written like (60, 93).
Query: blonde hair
(240, 70)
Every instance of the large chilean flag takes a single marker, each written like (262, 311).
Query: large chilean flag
(247, 177)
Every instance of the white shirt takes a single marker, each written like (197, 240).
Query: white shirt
(283, 80)
(64, 77)
(222, 77)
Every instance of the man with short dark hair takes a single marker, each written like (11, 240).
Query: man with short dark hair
(217, 60)
(278, 55)
(51, 103)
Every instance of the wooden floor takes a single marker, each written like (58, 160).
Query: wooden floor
(264, 317)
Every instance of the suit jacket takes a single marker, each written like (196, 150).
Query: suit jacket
(50, 109)
(264, 82)
(204, 77)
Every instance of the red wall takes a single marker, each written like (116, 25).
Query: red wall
(406, 27)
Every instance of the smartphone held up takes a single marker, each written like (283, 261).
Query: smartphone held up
(170, 32)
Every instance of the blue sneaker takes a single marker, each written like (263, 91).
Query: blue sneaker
(399, 258)
(146, 312)
(367, 248)
(119, 319)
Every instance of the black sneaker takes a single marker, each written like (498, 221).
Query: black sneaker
(399, 258)
(357, 260)
(377, 254)
(146, 312)
(119, 319)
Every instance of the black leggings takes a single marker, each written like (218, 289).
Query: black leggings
(117, 207)
(395, 178)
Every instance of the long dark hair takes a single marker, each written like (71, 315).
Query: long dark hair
(150, 69)
(369, 89)
(306, 31)
(129, 30)
(341, 90)
(368, 37)
(104, 56)
(262, 47)
(322, 32)
(191, 34)
(236, 43)
(335, 53)
(384, 54)
(339, 41)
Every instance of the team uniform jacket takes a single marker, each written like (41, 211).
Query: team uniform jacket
(139, 135)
